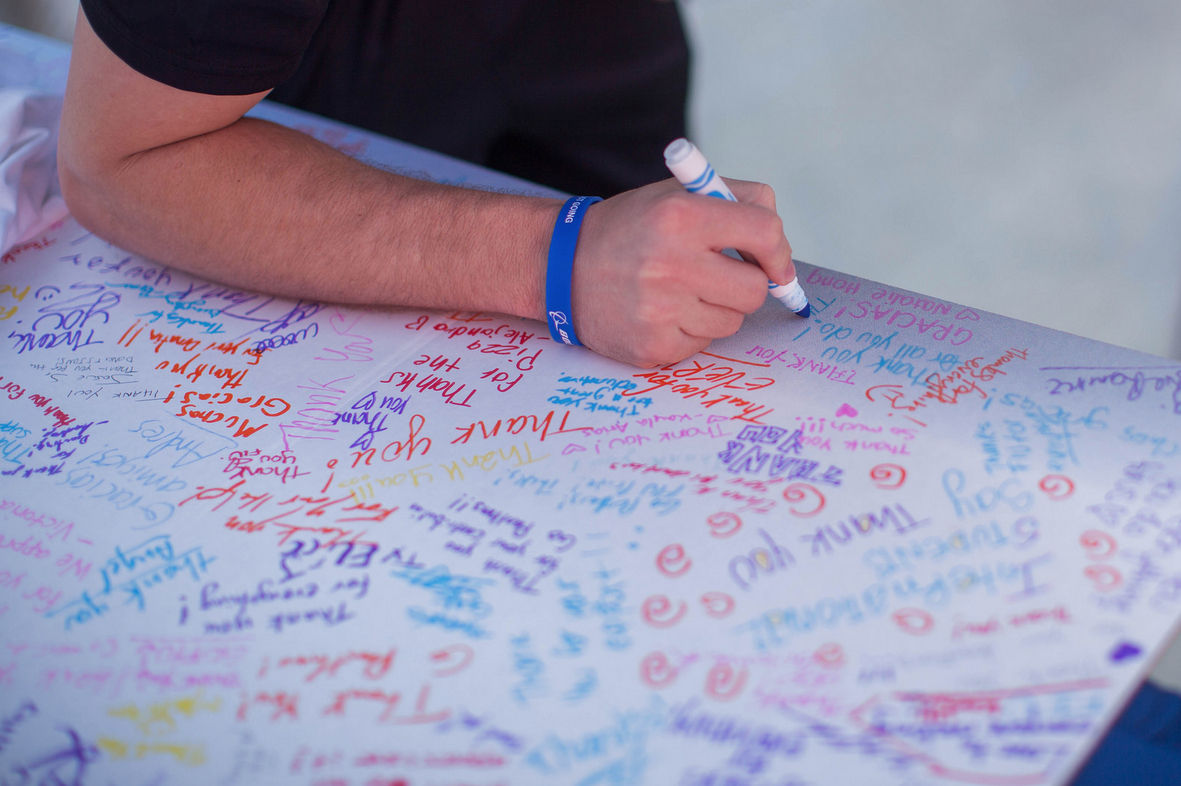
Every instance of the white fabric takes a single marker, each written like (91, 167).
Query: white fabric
(30, 195)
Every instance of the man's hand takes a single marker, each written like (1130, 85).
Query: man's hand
(651, 284)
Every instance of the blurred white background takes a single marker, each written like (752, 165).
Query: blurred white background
(1023, 158)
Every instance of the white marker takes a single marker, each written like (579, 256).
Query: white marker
(689, 167)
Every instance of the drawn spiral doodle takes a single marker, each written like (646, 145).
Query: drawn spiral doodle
(717, 604)
(913, 621)
(657, 671)
(724, 682)
(672, 561)
(1056, 487)
(452, 659)
(888, 476)
(1098, 544)
(813, 501)
(724, 524)
(1105, 577)
(659, 612)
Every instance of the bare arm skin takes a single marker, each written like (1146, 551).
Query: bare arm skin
(183, 178)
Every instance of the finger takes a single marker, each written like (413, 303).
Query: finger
(671, 348)
(788, 275)
(727, 282)
(705, 320)
(755, 231)
(761, 194)
(694, 344)
(752, 193)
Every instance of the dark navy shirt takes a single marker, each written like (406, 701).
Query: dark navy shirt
(581, 96)
(220, 47)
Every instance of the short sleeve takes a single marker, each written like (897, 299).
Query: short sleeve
(218, 47)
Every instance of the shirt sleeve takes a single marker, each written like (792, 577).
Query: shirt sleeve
(217, 47)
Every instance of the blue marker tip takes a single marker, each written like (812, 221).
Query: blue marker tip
(805, 311)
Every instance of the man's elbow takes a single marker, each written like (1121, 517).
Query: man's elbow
(82, 187)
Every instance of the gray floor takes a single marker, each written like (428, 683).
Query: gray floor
(1023, 158)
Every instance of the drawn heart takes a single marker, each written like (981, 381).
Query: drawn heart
(846, 410)
(572, 448)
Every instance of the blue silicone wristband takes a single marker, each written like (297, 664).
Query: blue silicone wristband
(560, 269)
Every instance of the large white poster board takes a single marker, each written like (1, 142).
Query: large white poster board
(245, 540)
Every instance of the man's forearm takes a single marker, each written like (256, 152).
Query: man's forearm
(183, 178)
(260, 206)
